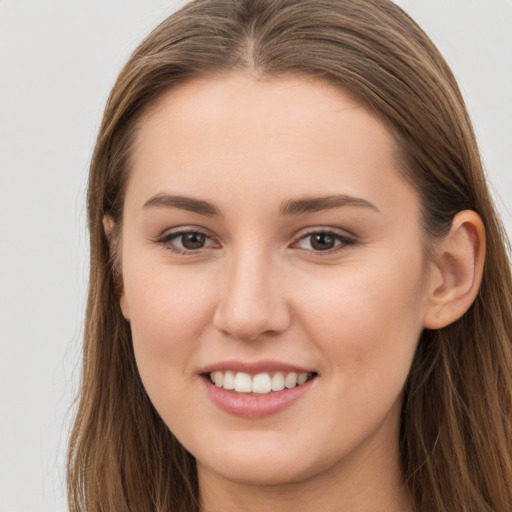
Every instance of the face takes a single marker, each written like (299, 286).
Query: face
(273, 277)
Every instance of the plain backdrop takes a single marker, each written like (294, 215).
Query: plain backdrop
(58, 60)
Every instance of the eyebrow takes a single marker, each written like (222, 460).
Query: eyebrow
(317, 204)
(288, 207)
(183, 203)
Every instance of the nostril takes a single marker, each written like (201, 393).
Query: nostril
(247, 319)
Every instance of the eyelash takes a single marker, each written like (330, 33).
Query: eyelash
(344, 241)
(166, 241)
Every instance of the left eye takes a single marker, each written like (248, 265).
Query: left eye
(323, 241)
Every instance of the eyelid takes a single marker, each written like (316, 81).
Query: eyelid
(165, 238)
(347, 239)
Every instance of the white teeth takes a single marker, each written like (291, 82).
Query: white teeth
(291, 380)
(218, 378)
(303, 377)
(243, 383)
(229, 380)
(278, 381)
(262, 383)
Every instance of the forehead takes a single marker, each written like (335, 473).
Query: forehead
(237, 137)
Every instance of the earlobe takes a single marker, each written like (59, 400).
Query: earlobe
(108, 227)
(124, 306)
(456, 272)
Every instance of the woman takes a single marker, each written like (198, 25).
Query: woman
(289, 306)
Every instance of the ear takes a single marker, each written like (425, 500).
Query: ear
(109, 228)
(456, 271)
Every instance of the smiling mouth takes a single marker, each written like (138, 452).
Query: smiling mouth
(260, 383)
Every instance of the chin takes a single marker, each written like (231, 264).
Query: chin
(262, 473)
(272, 463)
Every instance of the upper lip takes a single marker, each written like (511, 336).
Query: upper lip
(254, 367)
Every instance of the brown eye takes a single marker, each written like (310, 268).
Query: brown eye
(191, 241)
(184, 242)
(322, 241)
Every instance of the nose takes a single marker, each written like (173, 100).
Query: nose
(252, 303)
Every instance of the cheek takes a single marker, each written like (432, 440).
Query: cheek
(368, 320)
(168, 314)
(367, 331)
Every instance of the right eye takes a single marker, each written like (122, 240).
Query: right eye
(186, 241)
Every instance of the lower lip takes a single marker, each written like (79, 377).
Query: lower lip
(253, 406)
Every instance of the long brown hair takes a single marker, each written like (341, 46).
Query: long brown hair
(456, 430)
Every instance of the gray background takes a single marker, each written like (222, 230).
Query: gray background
(58, 60)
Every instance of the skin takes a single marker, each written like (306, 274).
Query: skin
(258, 288)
